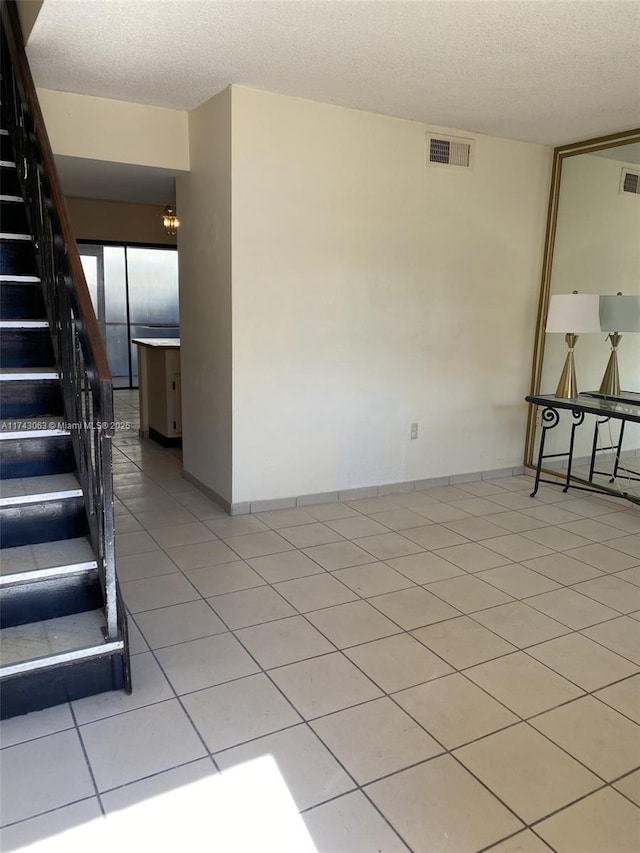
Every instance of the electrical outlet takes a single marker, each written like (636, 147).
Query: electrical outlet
(414, 431)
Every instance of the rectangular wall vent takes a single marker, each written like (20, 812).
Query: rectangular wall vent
(630, 182)
(449, 151)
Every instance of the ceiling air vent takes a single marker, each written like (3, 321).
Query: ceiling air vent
(449, 151)
(630, 182)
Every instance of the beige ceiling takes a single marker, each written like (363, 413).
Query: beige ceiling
(549, 71)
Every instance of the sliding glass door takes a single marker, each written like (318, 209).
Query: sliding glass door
(135, 294)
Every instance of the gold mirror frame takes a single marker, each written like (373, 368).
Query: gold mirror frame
(559, 155)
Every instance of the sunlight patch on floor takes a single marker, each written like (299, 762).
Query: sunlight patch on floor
(247, 807)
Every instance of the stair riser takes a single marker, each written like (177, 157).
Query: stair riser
(26, 399)
(26, 348)
(36, 457)
(45, 522)
(17, 257)
(10, 183)
(21, 301)
(6, 150)
(42, 689)
(34, 602)
(13, 216)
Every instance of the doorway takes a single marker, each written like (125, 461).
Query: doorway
(134, 290)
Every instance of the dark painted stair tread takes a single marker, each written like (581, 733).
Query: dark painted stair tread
(21, 301)
(31, 426)
(25, 343)
(23, 324)
(22, 489)
(79, 631)
(23, 397)
(35, 447)
(33, 374)
(13, 217)
(17, 256)
(10, 185)
(41, 509)
(16, 277)
(14, 239)
(8, 230)
(45, 555)
(6, 149)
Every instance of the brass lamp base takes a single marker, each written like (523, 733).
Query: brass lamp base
(610, 385)
(567, 386)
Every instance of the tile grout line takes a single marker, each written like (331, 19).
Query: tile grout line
(402, 631)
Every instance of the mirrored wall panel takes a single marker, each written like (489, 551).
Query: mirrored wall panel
(593, 248)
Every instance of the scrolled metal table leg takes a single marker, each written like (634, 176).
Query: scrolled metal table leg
(618, 452)
(578, 418)
(550, 418)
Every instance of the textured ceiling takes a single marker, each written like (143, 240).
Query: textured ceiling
(549, 71)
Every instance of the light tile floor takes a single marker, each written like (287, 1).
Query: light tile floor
(454, 669)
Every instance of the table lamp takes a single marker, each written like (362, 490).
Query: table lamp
(572, 314)
(617, 314)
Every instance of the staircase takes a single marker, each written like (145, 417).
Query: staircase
(63, 631)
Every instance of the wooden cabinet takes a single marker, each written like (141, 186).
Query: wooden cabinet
(159, 389)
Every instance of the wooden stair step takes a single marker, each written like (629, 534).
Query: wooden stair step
(36, 644)
(21, 301)
(41, 509)
(25, 343)
(26, 490)
(28, 374)
(17, 256)
(35, 446)
(44, 556)
(58, 660)
(30, 392)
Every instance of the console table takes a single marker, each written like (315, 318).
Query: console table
(625, 408)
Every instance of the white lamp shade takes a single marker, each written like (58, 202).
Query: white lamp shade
(620, 313)
(576, 313)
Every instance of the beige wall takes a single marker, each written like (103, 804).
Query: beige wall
(204, 243)
(335, 290)
(370, 292)
(115, 221)
(115, 131)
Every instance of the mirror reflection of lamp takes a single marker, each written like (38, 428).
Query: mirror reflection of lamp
(572, 314)
(617, 314)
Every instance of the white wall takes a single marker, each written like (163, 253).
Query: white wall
(371, 291)
(204, 256)
(115, 131)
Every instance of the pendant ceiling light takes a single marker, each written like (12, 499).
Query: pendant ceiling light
(170, 220)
